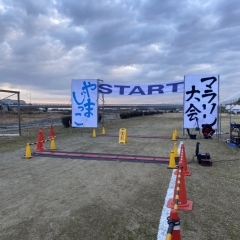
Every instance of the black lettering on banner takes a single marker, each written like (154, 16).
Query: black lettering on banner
(121, 88)
(214, 122)
(155, 88)
(137, 90)
(209, 92)
(192, 112)
(204, 108)
(209, 78)
(202, 97)
(104, 88)
(213, 107)
(192, 92)
(174, 86)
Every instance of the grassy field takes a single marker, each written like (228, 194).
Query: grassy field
(69, 199)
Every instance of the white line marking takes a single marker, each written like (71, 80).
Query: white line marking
(163, 225)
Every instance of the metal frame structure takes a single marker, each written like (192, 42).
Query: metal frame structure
(18, 106)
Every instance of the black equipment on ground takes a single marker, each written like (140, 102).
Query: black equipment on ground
(207, 131)
(196, 128)
(234, 126)
(204, 159)
(234, 134)
(192, 136)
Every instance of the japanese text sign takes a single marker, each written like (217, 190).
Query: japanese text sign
(85, 103)
(201, 97)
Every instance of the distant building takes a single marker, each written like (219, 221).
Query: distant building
(8, 101)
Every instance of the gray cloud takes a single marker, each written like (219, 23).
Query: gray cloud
(45, 44)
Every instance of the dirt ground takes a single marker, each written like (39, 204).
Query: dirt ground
(30, 117)
(46, 198)
(57, 198)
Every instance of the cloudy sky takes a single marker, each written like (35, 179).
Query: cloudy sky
(46, 43)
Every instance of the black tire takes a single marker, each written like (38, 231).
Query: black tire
(99, 117)
(66, 121)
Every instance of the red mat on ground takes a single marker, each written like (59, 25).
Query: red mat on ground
(135, 136)
(101, 156)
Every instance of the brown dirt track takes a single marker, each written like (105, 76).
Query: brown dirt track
(56, 198)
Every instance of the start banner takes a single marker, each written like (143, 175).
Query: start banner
(141, 89)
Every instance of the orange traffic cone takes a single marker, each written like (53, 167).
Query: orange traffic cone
(175, 221)
(51, 134)
(184, 160)
(180, 191)
(42, 135)
(40, 141)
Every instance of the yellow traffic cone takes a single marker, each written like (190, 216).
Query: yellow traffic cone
(172, 163)
(176, 132)
(103, 130)
(123, 137)
(175, 149)
(53, 145)
(174, 136)
(28, 153)
(126, 136)
(94, 133)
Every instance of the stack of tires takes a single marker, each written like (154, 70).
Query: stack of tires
(149, 113)
(67, 121)
(125, 115)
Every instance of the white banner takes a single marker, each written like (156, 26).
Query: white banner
(141, 89)
(85, 103)
(201, 98)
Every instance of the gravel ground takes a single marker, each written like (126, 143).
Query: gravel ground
(57, 198)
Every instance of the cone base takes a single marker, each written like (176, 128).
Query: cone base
(27, 157)
(40, 149)
(103, 131)
(172, 167)
(187, 173)
(187, 206)
(176, 235)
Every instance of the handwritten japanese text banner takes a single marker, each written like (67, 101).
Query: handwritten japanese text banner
(85, 103)
(201, 99)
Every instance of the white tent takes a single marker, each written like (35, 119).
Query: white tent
(231, 99)
(233, 108)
